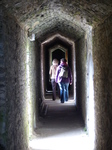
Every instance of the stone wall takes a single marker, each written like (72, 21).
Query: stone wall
(2, 87)
(34, 83)
(15, 43)
(102, 55)
(38, 75)
(81, 54)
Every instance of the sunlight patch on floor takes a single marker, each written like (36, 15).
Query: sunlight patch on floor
(61, 142)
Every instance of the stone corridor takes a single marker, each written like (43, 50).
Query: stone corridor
(32, 33)
(61, 127)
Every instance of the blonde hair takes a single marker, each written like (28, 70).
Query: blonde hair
(55, 62)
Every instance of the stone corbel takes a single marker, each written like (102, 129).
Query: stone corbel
(31, 36)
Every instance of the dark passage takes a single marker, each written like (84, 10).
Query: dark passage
(58, 54)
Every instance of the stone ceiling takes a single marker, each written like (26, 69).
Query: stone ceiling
(39, 15)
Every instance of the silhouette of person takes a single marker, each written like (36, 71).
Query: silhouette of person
(52, 73)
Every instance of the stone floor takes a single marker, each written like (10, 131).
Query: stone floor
(61, 129)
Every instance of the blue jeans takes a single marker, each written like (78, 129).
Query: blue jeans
(64, 94)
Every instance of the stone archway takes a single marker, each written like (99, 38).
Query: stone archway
(57, 52)
(46, 60)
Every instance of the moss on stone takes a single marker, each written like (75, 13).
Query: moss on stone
(77, 13)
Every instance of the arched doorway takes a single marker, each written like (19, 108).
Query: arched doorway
(58, 47)
(56, 52)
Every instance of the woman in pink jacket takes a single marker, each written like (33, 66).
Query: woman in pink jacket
(63, 78)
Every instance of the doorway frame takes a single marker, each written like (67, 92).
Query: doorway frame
(51, 50)
(73, 67)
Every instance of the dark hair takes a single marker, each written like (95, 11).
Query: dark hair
(63, 60)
